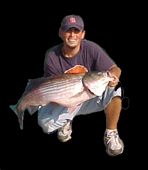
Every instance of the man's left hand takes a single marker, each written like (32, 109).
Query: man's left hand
(114, 82)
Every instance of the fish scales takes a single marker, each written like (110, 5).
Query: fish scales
(55, 90)
(63, 87)
(54, 85)
(68, 91)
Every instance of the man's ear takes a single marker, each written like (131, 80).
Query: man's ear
(60, 33)
(83, 34)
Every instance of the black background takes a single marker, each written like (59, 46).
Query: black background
(30, 31)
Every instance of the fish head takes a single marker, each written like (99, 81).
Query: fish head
(97, 82)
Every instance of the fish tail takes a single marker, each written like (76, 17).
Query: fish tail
(19, 113)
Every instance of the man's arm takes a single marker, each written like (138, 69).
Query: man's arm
(116, 72)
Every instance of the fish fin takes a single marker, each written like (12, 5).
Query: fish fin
(12, 107)
(32, 83)
(53, 103)
(78, 94)
(71, 109)
(32, 109)
(20, 115)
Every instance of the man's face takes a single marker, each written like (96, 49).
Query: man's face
(72, 37)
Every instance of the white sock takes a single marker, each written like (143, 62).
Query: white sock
(110, 130)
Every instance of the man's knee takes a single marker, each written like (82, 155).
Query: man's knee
(47, 127)
(119, 87)
(50, 125)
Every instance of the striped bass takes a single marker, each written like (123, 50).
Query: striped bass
(67, 90)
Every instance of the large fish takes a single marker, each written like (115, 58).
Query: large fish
(67, 90)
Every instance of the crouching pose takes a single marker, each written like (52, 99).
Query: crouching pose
(77, 55)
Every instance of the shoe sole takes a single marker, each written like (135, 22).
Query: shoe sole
(117, 153)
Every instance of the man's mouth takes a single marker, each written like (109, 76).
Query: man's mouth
(72, 40)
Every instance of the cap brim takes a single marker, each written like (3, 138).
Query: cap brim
(67, 26)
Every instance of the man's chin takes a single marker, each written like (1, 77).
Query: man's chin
(72, 46)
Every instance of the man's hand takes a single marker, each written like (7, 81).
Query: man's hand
(114, 82)
(116, 72)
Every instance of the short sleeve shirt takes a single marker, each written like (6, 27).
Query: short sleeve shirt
(90, 57)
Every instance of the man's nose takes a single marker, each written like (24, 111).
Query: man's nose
(72, 33)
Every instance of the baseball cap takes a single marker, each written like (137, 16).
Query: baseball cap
(72, 21)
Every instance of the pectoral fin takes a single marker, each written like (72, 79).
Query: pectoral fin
(70, 110)
(77, 95)
(32, 109)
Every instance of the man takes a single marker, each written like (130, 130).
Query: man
(78, 55)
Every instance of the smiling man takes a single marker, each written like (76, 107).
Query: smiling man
(72, 38)
(77, 55)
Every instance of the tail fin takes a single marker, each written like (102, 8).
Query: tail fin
(19, 113)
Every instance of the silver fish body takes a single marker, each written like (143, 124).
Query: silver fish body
(65, 89)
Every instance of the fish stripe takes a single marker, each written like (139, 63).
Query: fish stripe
(57, 88)
(51, 89)
(48, 91)
(53, 84)
(44, 88)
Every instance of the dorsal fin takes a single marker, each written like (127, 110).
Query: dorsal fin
(32, 84)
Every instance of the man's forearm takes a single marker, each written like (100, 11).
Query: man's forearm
(115, 70)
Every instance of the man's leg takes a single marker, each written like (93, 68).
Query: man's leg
(112, 112)
(114, 145)
(52, 117)
(110, 102)
(56, 117)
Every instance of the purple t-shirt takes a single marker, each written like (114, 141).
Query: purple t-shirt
(91, 57)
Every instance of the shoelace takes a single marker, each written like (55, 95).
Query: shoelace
(113, 139)
(66, 129)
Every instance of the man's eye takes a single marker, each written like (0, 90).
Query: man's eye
(77, 31)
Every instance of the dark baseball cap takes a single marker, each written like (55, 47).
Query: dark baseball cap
(72, 21)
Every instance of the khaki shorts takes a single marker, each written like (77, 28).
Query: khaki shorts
(52, 117)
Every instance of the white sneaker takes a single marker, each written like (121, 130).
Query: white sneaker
(64, 133)
(114, 145)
